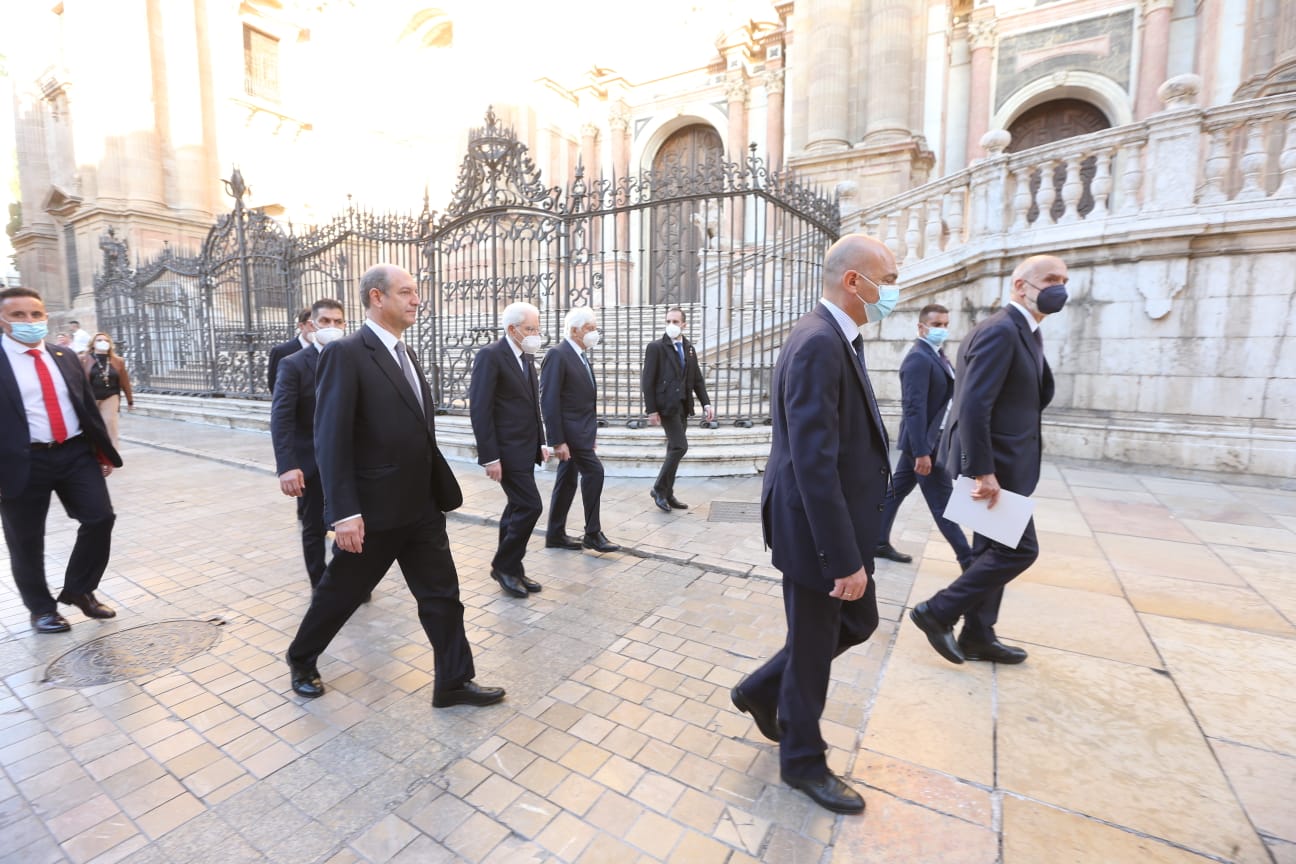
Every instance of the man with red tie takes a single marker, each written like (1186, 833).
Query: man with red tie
(52, 440)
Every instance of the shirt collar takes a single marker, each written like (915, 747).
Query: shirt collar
(305, 343)
(847, 325)
(13, 346)
(389, 339)
(517, 352)
(575, 347)
(1030, 319)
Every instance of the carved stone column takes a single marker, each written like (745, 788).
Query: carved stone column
(827, 48)
(981, 37)
(892, 53)
(1155, 51)
(736, 93)
(619, 126)
(590, 151)
(774, 118)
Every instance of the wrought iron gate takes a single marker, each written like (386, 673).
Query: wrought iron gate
(744, 268)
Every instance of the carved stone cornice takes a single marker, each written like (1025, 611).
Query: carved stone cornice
(982, 34)
(774, 81)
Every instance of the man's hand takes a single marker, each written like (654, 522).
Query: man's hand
(495, 471)
(987, 487)
(563, 452)
(654, 419)
(544, 453)
(349, 535)
(708, 411)
(852, 587)
(922, 465)
(107, 469)
(292, 483)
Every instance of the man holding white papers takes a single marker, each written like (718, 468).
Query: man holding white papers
(993, 436)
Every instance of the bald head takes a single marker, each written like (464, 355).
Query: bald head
(1031, 276)
(853, 269)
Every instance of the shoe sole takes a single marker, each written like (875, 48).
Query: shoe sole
(931, 640)
(475, 704)
(987, 659)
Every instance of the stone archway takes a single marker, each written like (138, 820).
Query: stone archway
(679, 230)
(1052, 121)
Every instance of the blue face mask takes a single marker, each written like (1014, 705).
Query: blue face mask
(888, 297)
(28, 332)
(936, 336)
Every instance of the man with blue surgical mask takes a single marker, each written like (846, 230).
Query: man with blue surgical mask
(926, 386)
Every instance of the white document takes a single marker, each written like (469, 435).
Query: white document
(1004, 524)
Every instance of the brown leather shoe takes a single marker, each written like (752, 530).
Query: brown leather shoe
(88, 604)
(50, 622)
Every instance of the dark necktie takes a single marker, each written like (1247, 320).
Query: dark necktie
(58, 428)
(1039, 352)
(945, 361)
(858, 344)
(679, 349)
(407, 368)
(588, 368)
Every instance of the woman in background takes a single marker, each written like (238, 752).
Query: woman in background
(108, 379)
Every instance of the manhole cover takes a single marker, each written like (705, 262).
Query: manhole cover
(735, 511)
(133, 652)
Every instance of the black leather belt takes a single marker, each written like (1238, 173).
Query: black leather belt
(51, 445)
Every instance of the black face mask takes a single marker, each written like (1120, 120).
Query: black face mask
(1051, 299)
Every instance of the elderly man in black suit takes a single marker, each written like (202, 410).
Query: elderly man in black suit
(52, 440)
(292, 346)
(504, 405)
(292, 429)
(821, 506)
(387, 489)
(926, 385)
(993, 436)
(671, 378)
(568, 397)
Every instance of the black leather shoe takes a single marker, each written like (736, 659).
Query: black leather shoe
(599, 543)
(530, 585)
(675, 503)
(660, 500)
(510, 583)
(50, 622)
(994, 651)
(829, 792)
(471, 693)
(889, 552)
(940, 636)
(562, 541)
(765, 718)
(306, 680)
(88, 604)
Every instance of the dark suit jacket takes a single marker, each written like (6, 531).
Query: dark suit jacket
(504, 405)
(926, 386)
(277, 355)
(994, 426)
(666, 387)
(377, 453)
(567, 397)
(15, 434)
(292, 413)
(821, 502)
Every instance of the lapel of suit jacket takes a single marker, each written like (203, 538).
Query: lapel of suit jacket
(9, 383)
(507, 356)
(860, 374)
(73, 375)
(584, 368)
(1033, 349)
(387, 363)
(673, 357)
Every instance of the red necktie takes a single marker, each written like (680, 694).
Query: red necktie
(57, 427)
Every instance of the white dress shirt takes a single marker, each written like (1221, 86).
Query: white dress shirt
(24, 369)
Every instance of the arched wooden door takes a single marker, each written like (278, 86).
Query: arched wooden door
(1054, 121)
(678, 232)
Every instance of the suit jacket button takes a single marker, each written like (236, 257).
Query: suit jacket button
(881, 507)
(882, 471)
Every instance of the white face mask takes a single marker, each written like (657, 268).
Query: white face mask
(592, 338)
(531, 344)
(101, 345)
(673, 331)
(325, 335)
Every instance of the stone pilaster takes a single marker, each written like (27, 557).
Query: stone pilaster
(774, 117)
(982, 35)
(1155, 56)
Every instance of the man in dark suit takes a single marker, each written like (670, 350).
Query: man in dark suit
(504, 405)
(292, 429)
(821, 506)
(387, 489)
(292, 346)
(568, 397)
(926, 385)
(993, 436)
(671, 377)
(52, 439)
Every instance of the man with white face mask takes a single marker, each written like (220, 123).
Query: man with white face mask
(292, 428)
(671, 378)
(504, 405)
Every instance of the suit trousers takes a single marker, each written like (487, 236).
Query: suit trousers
(310, 516)
(74, 474)
(585, 463)
(676, 447)
(936, 488)
(796, 678)
(423, 551)
(517, 521)
(977, 593)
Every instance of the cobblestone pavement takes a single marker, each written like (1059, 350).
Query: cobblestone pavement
(1152, 723)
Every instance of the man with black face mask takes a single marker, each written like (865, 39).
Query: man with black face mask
(993, 436)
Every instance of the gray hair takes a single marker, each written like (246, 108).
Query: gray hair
(577, 318)
(376, 277)
(515, 314)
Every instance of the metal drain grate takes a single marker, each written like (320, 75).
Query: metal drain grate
(735, 511)
(133, 652)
